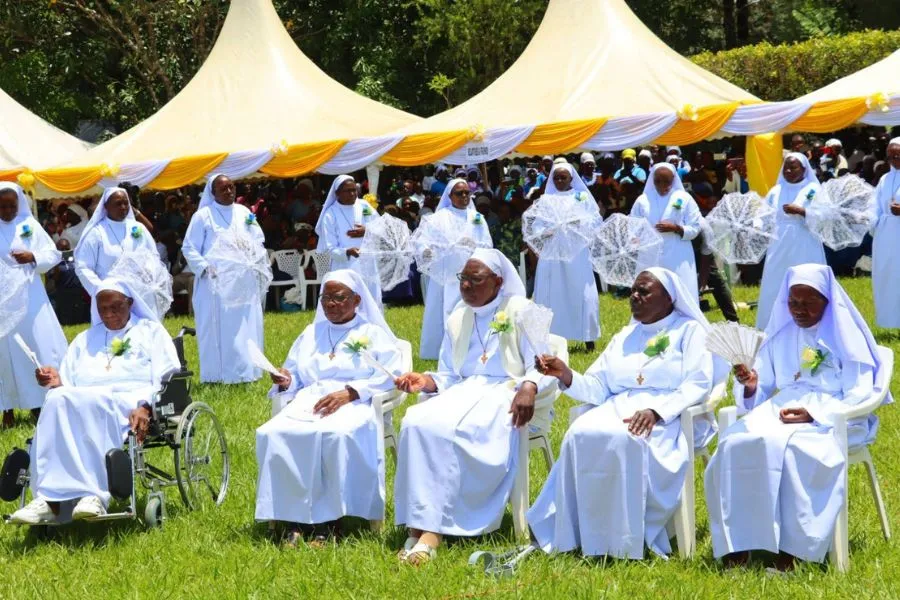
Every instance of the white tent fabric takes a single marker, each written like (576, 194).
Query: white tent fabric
(27, 141)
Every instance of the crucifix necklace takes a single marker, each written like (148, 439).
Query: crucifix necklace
(331, 354)
(484, 356)
(106, 350)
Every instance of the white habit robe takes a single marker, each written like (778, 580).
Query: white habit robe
(458, 450)
(610, 492)
(317, 469)
(794, 244)
(677, 253)
(777, 487)
(440, 300)
(39, 327)
(101, 247)
(886, 251)
(569, 288)
(222, 331)
(336, 221)
(88, 415)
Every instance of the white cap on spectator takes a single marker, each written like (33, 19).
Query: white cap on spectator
(675, 149)
(646, 153)
(561, 161)
(587, 157)
(834, 142)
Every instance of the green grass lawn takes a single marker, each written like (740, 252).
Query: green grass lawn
(224, 553)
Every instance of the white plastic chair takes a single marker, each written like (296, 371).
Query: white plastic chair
(683, 526)
(840, 549)
(384, 405)
(288, 262)
(535, 440)
(322, 263)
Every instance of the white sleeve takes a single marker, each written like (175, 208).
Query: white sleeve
(388, 355)
(857, 383)
(765, 387)
(46, 256)
(690, 219)
(192, 247)
(697, 370)
(445, 377)
(86, 255)
(592, 387)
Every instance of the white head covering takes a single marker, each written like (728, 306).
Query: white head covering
(809, 176)
(78, 210)
(587, 157)
(834, 142)
(895, 141)
(577, 182)
(330, 200)
(841, 327)
(684, 302)
(560, 160)
(675, 149)
(100, 212)
(207, 198)
(440, 168)
(646, 153)
(367, 310)
(139, 308)
(445, 197)
(497, 262)
(650, 189)
(24, 209)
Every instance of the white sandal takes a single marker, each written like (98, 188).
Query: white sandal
(422, 552)
(407, 546)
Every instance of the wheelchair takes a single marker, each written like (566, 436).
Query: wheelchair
(190, 429)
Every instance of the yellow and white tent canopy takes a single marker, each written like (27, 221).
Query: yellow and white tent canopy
(257, 104)
(29, 142)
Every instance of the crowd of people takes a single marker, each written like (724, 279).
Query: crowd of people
(623, 461)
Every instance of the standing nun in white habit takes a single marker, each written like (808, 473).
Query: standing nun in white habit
(458, 449)
(569, 288)
(454, 212)
(222, 331)
(101, 390)
(886, 242)
(622, 463)
(25, 245)
(776, 480)
(675, 215)
(321, 457)
(341, 227)
(111, 232)
(795, 244)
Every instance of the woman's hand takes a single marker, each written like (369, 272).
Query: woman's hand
(23, 257)
(522, 409)
(793, 209)
(333, 401)
(358, 231)
(413, 383)
(669, 227)
(895, 209)
(283, 381)
(748, 378)
(139, 421)
(352, 252)
(48, 377)
(642, 422)
(791, 416)
(553, 366)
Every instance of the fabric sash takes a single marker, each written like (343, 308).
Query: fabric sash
(461, 323)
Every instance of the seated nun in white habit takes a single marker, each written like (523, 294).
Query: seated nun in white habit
(675, 215)
(622, 463)
(111, 232)
(222, 329)
(458, 450)
(568, 288)
(320, 457)
(794, 243)
(342, 226)
(776, 480)
(25, 245)
(102, 389)
(454, 213)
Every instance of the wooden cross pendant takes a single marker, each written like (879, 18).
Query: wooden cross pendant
(109, 367)
(484, 358)
(640, 379)
(796, 375)
(331, 356)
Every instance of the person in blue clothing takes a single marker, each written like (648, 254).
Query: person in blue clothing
(441, 177)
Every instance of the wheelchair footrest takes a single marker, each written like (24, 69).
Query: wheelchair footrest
(119, 474)
(14, 474)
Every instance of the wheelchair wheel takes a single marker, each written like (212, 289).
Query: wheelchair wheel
(201, 459)
(153, 513)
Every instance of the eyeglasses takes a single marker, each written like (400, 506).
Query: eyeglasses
(460, 193)
(469, 279)
(334, 298)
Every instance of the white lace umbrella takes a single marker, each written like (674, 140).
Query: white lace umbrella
(385, 251)
(743, 226)
(534, 322)
(242, 273)
(147, 275)
(623, 247)
(840, 217)
(441, 252)
(558, 227)
(13, 296)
